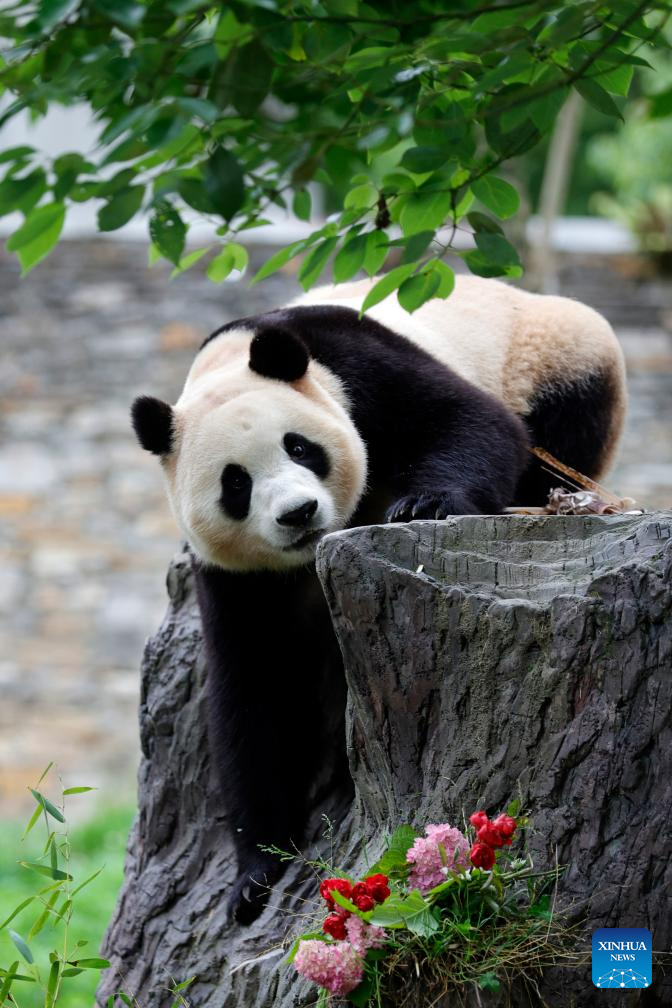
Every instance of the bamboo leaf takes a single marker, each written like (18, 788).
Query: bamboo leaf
(21, 946)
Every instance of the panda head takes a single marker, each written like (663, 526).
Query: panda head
(260, 456)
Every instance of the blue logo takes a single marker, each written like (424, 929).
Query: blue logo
(622, 957)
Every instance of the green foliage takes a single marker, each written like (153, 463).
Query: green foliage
(55, 900)
(410, 115)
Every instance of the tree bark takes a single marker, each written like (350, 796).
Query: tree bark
(486, 659)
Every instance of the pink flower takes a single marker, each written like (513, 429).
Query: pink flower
(429, 866)
(336, 966)
(363, 936)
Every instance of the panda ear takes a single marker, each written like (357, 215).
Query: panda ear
(153, 423)
(278, 353)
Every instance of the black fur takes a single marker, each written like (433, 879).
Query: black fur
(436, 446)
(277, 703)
(574, 423)
(236, 491)
(153, 424)
(307, 453)
(277, 353)
(426, 429)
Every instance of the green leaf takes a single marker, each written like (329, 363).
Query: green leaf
(168, 231)
(488, 982)
(425, 209)
(481, 222)
(35, 239)
(497, 195)
(232, 257)
(513, 808)
(94, 963)
(121, 208)
(497, 249)
(661, 104)
(425, 158)
(377, 247)
(301, 204)
(81, 886)
(33, 819)
(52, 983)
(350, 258)
(362, 197)
(417, 289)
(36, 223)
(23, 193)
(362, 994)
(21, 946)
(187, 261)
(403, 839)
(16, 153)
(192, 191)
(126, 13)
(386, 285)
(16, 911)
(44, 916)
(78, 790)
(224, 183)
(596, 96)
(617, 79)
(446, 277)
(424, 924)
(347, 904)
(399, 911)
(7, 982)
(315, 262)
(47, 870)
(415, 245)
(324, 41)
(278, 260)
(48, 806)
(247, 76)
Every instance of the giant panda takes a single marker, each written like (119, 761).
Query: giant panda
(309, 419)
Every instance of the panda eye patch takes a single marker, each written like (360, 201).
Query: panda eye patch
(236, 491)
(307, 453)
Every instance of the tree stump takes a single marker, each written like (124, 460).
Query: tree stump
(486, 658)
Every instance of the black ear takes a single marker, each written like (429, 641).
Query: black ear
(153, 424)
(278, 353)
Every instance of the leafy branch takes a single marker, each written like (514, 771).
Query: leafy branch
(219, 112)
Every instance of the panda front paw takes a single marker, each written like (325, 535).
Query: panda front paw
(436, 505)
(251, 891)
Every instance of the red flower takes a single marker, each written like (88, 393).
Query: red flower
(377, 887)
(490, 835)
(482, 856)
(478, 819)
(340, 885)
(506, 825)
(361, 898)
(334, 925)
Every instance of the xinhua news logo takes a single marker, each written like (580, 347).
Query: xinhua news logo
(622, 957)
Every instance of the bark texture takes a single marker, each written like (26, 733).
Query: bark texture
(486, 658)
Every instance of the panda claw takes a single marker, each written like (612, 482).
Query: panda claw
(435, 506)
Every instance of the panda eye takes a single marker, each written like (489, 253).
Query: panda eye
(307, 453)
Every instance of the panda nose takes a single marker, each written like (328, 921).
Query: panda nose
(298, 516)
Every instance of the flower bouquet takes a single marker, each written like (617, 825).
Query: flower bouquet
(438, 913)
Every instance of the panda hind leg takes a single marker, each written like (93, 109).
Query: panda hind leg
(579, 424)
